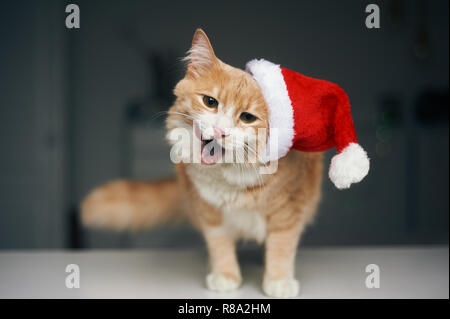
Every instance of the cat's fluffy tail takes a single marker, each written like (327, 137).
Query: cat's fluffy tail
(129, 205)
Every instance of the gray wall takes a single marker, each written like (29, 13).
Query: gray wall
(32, 130)
(403, 200)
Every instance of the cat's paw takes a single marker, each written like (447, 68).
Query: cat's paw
(281, 288)
(220, 282)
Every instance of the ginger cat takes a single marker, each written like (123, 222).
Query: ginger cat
(225, 201)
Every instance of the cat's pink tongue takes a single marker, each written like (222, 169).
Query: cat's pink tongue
(211, 153)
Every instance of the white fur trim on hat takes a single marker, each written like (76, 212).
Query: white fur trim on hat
(281, 114)
(349, 166)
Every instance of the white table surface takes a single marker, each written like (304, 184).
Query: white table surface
(405, 272)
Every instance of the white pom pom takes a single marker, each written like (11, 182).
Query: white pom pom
(348, 167)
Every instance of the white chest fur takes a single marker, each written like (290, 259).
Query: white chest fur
(244, 224)
(223, 188)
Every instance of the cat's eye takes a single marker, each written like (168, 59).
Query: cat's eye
(210, 101)
(247, 117)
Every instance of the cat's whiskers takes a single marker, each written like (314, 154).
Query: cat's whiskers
(192, 117)
(241, 152)
(249, 148)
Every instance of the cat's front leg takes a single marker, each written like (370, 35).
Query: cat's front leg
(281, 248)
(225, 274)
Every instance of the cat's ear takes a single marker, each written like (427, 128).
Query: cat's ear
(201, 55)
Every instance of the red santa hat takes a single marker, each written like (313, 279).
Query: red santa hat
(310, 115)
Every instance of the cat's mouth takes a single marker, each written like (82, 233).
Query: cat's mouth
(211, 152)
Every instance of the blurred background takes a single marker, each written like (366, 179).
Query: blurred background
(81, 107)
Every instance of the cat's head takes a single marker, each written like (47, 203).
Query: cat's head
(220, 106)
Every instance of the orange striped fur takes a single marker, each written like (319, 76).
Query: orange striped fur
(226, 202)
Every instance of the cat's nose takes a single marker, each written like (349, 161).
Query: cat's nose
(219, 133)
